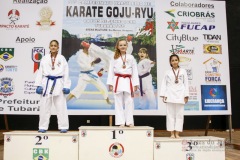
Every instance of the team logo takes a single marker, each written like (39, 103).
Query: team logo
(40, 154)
(189, 156)
(212, 73)
(37, 55)
(13, 16)
(45, 23)
(83, 133)
(1, 68)
(170, 12)
(6, 53)
(212, 49)
(7, 87)
(180, 49)
(116, 150)
(172, 25)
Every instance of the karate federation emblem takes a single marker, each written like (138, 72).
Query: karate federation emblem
(40, 154)
(45, 23)
(6, 87)
(172, 25)
(6, 53)
(116, 150)
(37, 55)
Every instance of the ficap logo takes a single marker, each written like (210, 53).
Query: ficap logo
(172, 25)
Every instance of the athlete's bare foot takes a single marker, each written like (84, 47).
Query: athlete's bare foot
(177, 134)
(172, 134)
(130, 125)
(121, 126)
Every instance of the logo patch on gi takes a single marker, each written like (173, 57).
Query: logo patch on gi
(6, 53)
(116, 150)
(6, 87)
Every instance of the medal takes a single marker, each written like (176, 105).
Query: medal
(124, 61)
(176, 76)
(53, 61)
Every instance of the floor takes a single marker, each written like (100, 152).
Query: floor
(232, 149)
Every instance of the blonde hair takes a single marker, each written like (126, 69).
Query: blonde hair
(117, 53)
(144, 50)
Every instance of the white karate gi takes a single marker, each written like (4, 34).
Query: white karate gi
(88, 75)
(175, 93)
(57, 98)
(123, 94)
(147, 100)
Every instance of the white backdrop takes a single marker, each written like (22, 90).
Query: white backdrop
(203, 51)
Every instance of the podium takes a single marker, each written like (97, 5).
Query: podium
(189, 148)
(110, 143)
(31, 145)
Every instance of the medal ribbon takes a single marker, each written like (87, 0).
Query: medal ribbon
(176, 76)
(124, 60)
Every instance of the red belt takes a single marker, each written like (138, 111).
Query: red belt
(124, 76)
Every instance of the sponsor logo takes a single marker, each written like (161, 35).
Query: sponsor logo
(212, 49)
(37, 55)
(6, 53)
(191, 5)
(45, 22)
(211, 38)
(172, 25)
(196, 26)
(25, 40)
(6, 87)
(180, 49)
(214, 97)
(171, 12)
(14, 16)
(30, 1)
(116, 150)
(193, 92)
(181, 38)
(1, 68)
(40, 154)
(196, 14)
(190, 156)
(212, 73)
(11, 68)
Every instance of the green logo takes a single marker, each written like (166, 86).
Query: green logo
(40, 154)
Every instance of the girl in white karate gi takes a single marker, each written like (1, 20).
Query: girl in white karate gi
(175, 93)
(145, 78)
(86, 61)
(123, 81)
(52, 83)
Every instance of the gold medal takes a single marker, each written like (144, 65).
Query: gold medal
(176, 81)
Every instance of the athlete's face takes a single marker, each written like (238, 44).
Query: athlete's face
(53, 47)
(174, 62)
(142, 55)
(122, 46)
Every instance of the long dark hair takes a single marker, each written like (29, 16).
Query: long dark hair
(170, 58)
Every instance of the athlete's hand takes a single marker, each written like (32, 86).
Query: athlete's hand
(110, 87)
(39, 90)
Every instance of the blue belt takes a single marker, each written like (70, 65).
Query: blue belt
(140, 78)
(90, 74)
(54, 79)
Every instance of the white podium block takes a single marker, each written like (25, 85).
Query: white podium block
(31, 145)
(189, 148)
(108, 143)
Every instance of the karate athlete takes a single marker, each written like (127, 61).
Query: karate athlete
(52, 83)
(145, 78)
(123, 81)
(87, 74)
(175, 93)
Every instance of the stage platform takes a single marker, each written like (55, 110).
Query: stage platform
(100, 141)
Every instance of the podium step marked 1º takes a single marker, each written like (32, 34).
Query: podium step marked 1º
(111, 143)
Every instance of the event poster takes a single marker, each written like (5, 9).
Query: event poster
(195, 30)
